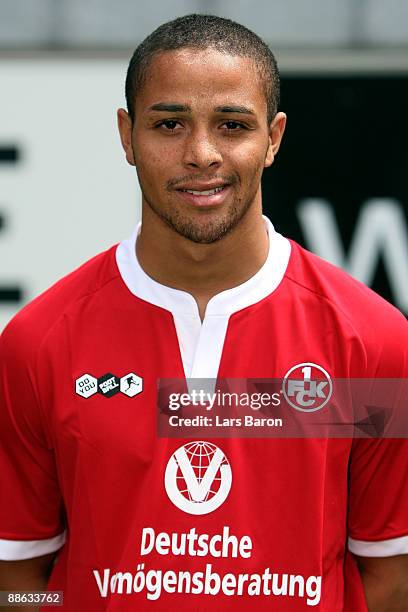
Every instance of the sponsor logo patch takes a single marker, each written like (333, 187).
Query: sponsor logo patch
(109, 385)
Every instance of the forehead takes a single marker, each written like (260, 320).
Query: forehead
(202, 78)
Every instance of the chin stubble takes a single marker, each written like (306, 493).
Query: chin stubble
(202, 232)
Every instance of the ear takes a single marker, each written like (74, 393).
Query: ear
(125, 126)
(276, 130)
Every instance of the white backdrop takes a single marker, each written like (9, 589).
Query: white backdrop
(72, 194)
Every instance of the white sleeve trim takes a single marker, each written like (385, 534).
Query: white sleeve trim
(383, 548)
(17, 550)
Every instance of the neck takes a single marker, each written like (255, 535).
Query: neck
(203, 270)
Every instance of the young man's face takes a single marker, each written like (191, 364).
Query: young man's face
(201, 124)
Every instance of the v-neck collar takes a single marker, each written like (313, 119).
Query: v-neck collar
(201, 343)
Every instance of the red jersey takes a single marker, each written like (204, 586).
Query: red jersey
(268, 523)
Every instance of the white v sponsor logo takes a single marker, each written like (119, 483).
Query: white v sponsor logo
(198, 490)
(198, 477)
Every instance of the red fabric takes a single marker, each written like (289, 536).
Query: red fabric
(97, 466)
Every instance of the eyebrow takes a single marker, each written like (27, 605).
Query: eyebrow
(234, 109)
(170, 108)
(183, 108)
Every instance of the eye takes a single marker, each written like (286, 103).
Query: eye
(168, 124)
(234, 125)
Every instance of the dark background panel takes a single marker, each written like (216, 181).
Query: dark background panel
(346, 141)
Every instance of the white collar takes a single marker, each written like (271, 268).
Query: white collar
(264, 282)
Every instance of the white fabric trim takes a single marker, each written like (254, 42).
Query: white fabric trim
(188, 330)
(209, 347)
(383, 548)
(201, 344)
(145, 287)
(17, 550)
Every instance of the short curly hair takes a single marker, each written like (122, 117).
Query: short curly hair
(197, 31)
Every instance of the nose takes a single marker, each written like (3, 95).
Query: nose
(201, 150)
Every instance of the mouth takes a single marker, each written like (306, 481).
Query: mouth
(205, 197)
(209, 192)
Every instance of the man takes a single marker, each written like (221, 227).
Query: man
(205, 288)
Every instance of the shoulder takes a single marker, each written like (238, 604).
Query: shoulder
(28, 329)
(379, 326)
(358, 303)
